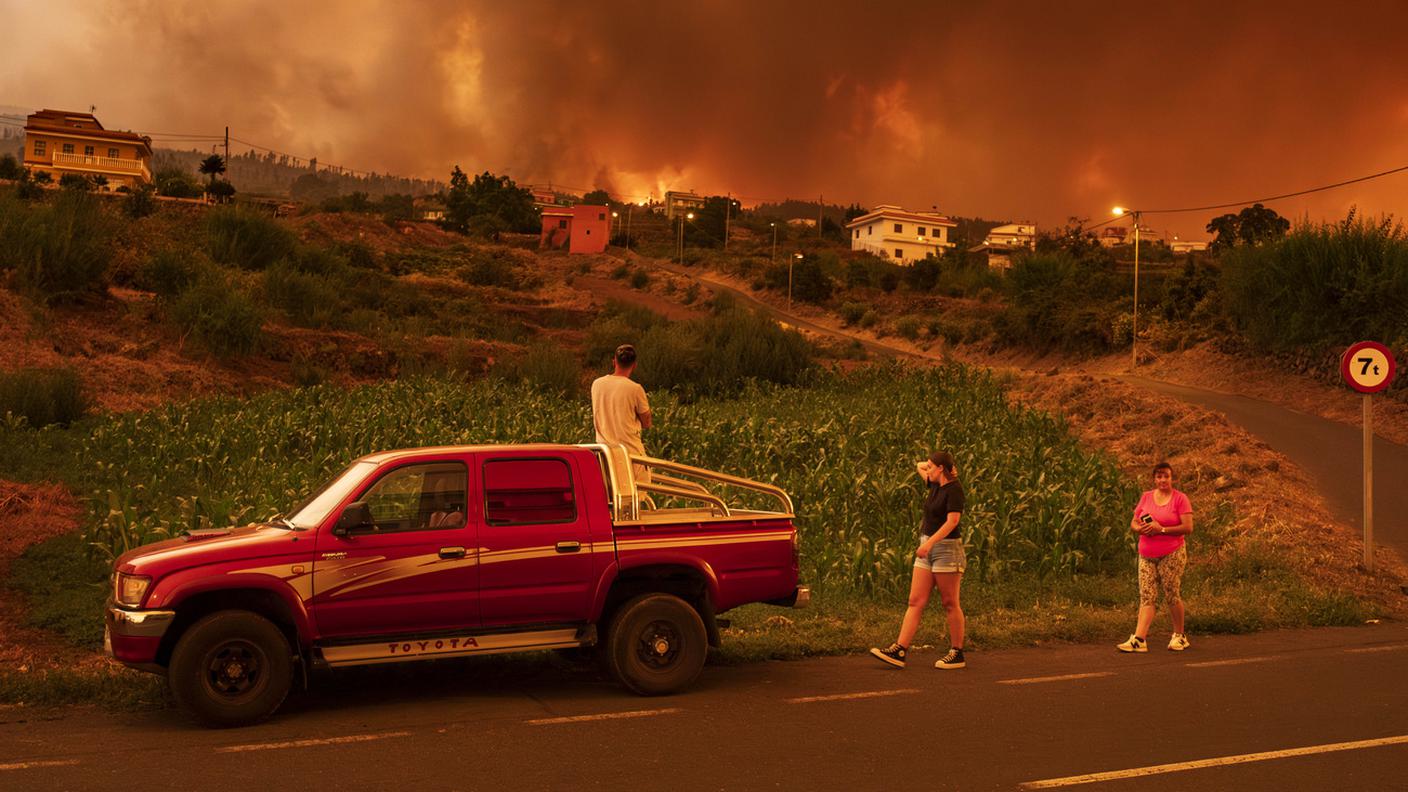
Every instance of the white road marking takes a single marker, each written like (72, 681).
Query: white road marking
(602, 716)
(848, 696)
(1217, 762)
(45, 763)
(273, 746)
(1062, 678)
(1237, 661)
(1367, 649)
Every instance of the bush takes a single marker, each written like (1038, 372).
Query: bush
(170, 273)
(869, 319)
(547, 367)
(309, 299)
(177, 183)
(1355, 273)
(42, 396)
(640, 279)
(220, 191)
(488, 269)
(718, 355)
(621, 272)
(851, 312)
(60, 251)
(247, 238)
(75, 181)
(908, 327)
(140, 202)
(218, 317)
(10, 168)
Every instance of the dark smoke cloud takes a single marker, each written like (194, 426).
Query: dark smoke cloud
(1016, 110)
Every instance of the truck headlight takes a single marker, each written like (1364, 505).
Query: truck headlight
(130, 589)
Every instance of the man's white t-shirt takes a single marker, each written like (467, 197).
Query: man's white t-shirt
(617, 404)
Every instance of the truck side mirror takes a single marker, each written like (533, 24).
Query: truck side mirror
(356, 516)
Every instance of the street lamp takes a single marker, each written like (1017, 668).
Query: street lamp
(615, 216)
(774, 242)
(688, 216)
(1134, 322)
(795, 258)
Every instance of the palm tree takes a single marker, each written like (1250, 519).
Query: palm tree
(212, 166)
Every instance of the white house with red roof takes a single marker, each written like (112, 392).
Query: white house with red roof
(900, 235)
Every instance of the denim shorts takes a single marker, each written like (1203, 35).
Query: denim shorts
(945, 556)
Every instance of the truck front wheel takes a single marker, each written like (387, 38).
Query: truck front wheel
(657, 644)
(231, 668)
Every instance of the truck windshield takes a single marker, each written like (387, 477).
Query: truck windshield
(316, 507)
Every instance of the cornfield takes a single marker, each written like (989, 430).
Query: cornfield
(844, 447)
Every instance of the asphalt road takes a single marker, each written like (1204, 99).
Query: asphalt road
(1330, 452)
(1012, 718)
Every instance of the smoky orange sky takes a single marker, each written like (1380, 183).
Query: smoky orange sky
(1022, 111)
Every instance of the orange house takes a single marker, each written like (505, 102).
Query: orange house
(58, 142)
(583, 229)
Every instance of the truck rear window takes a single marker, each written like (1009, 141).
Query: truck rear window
(528, 492)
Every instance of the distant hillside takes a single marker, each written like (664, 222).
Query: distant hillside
(271, 174)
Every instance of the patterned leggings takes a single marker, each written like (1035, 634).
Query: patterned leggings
(1166, 573)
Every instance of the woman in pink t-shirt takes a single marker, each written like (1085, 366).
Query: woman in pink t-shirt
(1162, 519)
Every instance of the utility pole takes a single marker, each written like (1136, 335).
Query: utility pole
(728, 209)
(820, 202)
(1134, 321)
(227, 146)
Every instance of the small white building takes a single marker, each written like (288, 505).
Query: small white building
(1013, 235)
(1187, 246)
(899, 235)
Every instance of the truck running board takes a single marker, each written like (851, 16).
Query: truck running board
(452, 646)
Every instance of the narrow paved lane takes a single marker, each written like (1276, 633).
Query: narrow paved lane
(1311, 709)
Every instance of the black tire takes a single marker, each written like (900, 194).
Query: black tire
(231, 668)
(656, 645)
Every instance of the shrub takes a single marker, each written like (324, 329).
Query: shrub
(852, 312)
(621, 272)
(10, 168)
(1355, 271)
(42, 396)
(247, 238)
(359, 255)
(309, 299)
(857, 274)
(869, 318)
(220, 191)
(640, 279)
(547, 367)
(75, 181)
(218, 317)
(489, 270)
(170, 273)
(140, 202)
(59, 251)
(177, 183)
(718, 355)
(908, 327)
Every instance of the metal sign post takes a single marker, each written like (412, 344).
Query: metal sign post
(1368, 367)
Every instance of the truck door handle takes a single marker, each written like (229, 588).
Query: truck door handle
(568, 547)
(452, 552)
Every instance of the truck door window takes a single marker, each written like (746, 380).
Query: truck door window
(419, 498)
(528, 492)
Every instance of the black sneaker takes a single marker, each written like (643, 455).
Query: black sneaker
(954, 659)
(894, 655)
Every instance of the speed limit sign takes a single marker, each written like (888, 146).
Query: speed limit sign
(1368, 367)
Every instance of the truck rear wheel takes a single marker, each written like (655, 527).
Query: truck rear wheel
(657, 644)
(231, 668)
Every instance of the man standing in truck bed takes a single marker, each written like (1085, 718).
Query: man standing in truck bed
(619, 407)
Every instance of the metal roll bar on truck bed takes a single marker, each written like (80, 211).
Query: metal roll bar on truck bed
(630, 495)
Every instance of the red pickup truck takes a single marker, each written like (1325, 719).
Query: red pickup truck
(456, 551)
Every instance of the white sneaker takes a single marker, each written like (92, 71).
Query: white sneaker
(1134, 644)
(1178, 642)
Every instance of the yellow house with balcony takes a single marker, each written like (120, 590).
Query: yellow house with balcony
(900, 235)
(58, 142)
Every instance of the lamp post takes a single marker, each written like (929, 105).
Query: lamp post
(774, 242)
(796, 257)
(1134, 322)
(688, 216)
(615, 219)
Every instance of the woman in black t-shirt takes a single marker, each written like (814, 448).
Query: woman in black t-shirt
(939, 563)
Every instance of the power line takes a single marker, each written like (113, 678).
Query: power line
(1268, 199)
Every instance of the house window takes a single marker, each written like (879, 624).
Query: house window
(68, 148)
(601, 215)
(528, 492)
(561, 223)
(899, 253)
(869, 230)
(921, 230)
(112, 153)
(87, 151)
(899, 228)
(857, 233)
(39, 147)
(589, 232)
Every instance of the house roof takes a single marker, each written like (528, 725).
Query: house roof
(887, 212)
(64, 122)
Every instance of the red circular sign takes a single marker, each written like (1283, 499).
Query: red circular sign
(1368, 367)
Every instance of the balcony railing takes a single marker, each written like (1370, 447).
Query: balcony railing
(101, 164)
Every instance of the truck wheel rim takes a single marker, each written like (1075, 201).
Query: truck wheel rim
(234, 669)
(659, 645)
